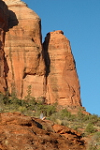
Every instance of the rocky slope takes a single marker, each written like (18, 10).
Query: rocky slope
(21, 132)
(48, 68)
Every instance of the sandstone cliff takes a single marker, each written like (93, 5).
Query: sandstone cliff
(48, 68)
(3, 28)
(23, 50)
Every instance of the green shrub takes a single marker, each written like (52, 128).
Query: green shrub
(48, 110)
(4, 99)
(53, 117)
(92, 147)
(58, 121)
(22, 109)
(90, 128)
(93, 118)
(64, 123)
(94, 142)
(82, 117)
(65, 114)
(28, 97)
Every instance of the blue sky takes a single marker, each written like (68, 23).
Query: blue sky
(80, 22)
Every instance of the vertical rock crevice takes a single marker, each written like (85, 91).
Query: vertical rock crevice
(46, 54)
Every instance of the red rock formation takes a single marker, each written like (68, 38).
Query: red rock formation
(3, 28)
(22, 132)
(62, 80)
(23, 50)
(25, 56)
(69, 133)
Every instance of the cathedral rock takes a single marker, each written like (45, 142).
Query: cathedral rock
(49, 67)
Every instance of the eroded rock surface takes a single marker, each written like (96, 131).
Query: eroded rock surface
(62, 80)
(23, 50)
(48, 68)
(3, 28)
(22, 132)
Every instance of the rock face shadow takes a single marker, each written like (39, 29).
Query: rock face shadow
(8, 20)
(12, 19)
(46, 54)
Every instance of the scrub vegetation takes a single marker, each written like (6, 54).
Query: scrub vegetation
(89, 125)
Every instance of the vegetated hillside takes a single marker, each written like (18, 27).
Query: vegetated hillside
(82, 131)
